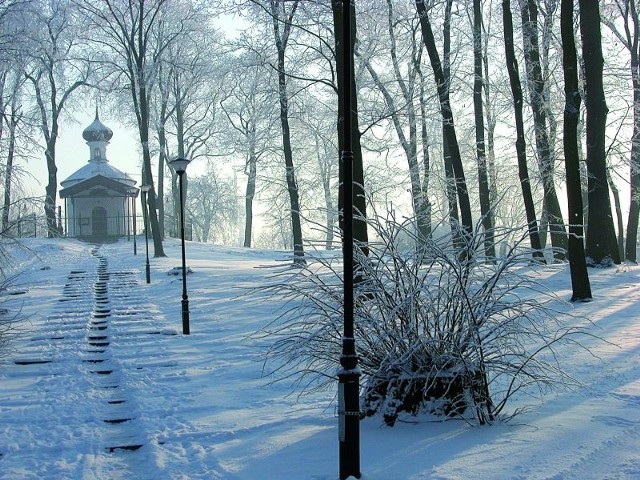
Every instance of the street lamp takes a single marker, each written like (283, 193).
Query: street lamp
(180, 167)
(349, 373)
(145, 190)
(135, 220)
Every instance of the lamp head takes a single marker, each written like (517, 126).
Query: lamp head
(179, 164)
(145, 188)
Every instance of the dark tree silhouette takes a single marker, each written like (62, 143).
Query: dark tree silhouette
(447, 118)
(577, 263)
(601, 245)
(516, 90)
(483, 177)
(529, 14)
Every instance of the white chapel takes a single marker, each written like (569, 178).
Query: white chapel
(99, 199)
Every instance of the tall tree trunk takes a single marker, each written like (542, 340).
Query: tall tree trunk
(633, 41)
(143, 127)
(426, 158)
(325, 173)
(410, 148)
(516, 90)
(410, 144)
(491, 128)
(450, 187)
(140, 96)
(281, 39)
(483, 178)
(447, 118)
(618, 208)
(360, 234)
(601, 238)
(580, 284)
(529, 13)
(162, 161)
(250, 194)
(8, 172)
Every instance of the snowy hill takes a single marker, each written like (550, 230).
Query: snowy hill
(100, 383)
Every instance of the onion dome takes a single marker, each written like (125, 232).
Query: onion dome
(97, 131)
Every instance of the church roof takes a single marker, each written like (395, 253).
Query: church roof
(97, 131)
(98, 181)
(97, 136)
(92, 169)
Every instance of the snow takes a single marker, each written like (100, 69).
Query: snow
(197, 406)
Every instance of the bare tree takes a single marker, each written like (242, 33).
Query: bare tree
(55, 73)
(282, 14)
(408, 59)
(628, 33)
(601, 244)
(447, 118)
(516, 89)
(483, 173)
(12, 115)
(195, 79)
(537, 88)
(212, 205)
(577, 262)
(134, 38)
(248, 109)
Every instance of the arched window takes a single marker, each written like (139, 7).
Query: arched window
(96, 153)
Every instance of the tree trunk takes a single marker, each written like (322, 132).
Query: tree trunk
(450, 187)
(634, 187)
(447, 119)
(577, 264)
(250, 193)
(491, 128)
(483, 178)
(426, 159)
(51, 190)
(516, 90)
(281, 40)
(325, 172)
(8, 176)
(529, 13)
(143, 127)
(409, 145)
(618, 207)
(162, 161)
(410, 148)
(601, 246)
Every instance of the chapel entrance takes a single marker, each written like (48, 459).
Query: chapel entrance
(99, 222)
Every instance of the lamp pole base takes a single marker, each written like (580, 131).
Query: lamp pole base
(349, 423)
(185, 316)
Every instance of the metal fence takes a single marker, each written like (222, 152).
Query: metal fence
(35, 226)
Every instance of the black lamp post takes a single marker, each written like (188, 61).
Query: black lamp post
(145, 190)
(349, 374)
(135, 220)
(180, 167)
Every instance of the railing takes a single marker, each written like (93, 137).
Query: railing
(35, 226)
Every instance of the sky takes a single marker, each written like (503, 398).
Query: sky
(72, 152)
(76, 387)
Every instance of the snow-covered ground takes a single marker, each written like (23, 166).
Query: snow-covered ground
(101, 384)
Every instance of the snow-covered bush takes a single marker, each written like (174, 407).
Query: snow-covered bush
(438, 330)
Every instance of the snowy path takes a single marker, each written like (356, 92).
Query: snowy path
(94, 346)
